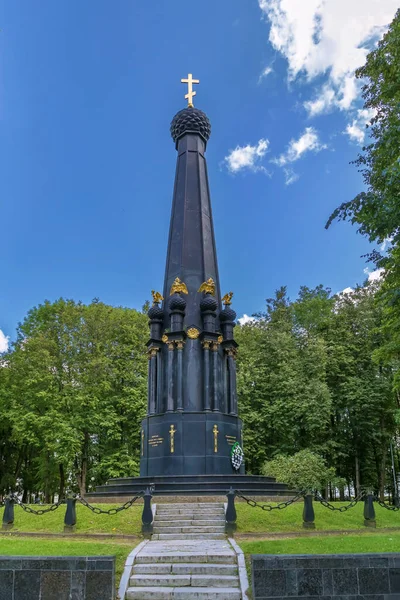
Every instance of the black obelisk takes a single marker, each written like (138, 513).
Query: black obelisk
(191, 423)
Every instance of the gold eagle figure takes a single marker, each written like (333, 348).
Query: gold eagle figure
(157, 297)
(227, 299)
(208, 287)
(178, 287)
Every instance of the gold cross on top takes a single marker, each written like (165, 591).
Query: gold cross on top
(191, 93)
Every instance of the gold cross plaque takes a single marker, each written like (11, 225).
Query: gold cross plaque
(172, 431)
(215, 432)
(142, 442)
(190, 81)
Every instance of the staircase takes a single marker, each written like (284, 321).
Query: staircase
(188, 557)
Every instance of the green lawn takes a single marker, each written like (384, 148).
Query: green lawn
(333, 544)
(127, 521)
(67, 547)
(255, 520)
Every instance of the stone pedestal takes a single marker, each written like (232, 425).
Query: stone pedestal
(189, 443)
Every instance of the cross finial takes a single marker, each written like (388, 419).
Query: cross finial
(191, 93)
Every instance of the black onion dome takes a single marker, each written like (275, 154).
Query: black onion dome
(208, 303)
(228, 314)
(177, 302)
(155, 312)
(190, 120)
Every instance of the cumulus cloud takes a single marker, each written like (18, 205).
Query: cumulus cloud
(246, 319)
(374, 275)
(357, 129)
(247, 157)
(308, 141)
(3, 342)
(329, 39)
(267, 71)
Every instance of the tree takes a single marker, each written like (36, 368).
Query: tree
(75, 394)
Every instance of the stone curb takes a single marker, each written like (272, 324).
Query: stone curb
(243, 579)
(126, 573)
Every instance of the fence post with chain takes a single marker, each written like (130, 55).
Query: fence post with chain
(308, 511)
(147, 514)
(369, 511)
(8, 515)
(230, 514)
(70, 515)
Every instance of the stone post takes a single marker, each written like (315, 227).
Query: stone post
(230, 515)
(147, 514)
(70, 515)
(8, 515)
(369, 511)
(308, 512)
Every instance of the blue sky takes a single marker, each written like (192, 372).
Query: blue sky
(87, 93)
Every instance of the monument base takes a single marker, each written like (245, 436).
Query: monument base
(187, 443)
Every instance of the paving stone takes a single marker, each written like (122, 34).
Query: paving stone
(169, 580)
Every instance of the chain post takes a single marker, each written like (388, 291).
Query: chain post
(70, 515)
(147, 514)
(230, 514)
(308, 511)
(369, 511)
(8, 515)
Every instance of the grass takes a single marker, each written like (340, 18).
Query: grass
(255, 520)
(67, 547)
(333, 544)
(126, 522)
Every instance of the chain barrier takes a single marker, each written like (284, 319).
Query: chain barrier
(269, 507)
(111, 511)
(384, 505)
(32, 511)
(330, 506)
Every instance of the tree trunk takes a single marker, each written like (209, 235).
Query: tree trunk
(382, 477)
(82, 474)
(357, 465)
(62, 482)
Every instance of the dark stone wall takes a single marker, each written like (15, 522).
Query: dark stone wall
(326, 577)
(57, 578)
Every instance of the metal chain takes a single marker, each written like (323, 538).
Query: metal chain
(330, 506)
(384, 505)
(32, 511)
(269, 507)
(111, 511)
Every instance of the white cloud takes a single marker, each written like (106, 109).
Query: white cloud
(328, 38)
(246, 319)
(290, 176)
(386, 243)
(267, 71)
(374, 275)
(357, 129)
(247, 157)
(307, 142)
(3, 342)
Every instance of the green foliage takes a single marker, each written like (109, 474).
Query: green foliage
(376, 210)
(304, 470)
(72, 395)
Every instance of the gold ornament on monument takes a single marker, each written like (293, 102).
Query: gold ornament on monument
(178, 287)
(227, 299)
(220, 339)
(193, 333)
(164, 338)
(208, 287)
(157, 297)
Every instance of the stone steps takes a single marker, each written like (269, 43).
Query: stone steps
(183, 593)
(188, 536)
(173, 580)
(190, 529)
(189, 522)
(188, 557)
(184, 569)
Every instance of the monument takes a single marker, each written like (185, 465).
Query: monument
(192, 421)
(192, 437)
